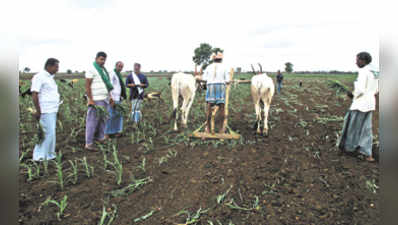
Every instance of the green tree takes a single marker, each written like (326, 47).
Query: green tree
(26, 70)
(289, 67)
(202, 54)
(69, 71)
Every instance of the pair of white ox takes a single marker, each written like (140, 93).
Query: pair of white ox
(185, 85)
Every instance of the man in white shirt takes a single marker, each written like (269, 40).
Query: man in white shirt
(46, 100)
(114, 124)
(357, 129)
(98, 90)
(216, 76)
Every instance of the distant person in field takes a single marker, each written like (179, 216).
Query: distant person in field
(357, 129)
(216, 76)
(114, 124)
(98, 90)
(46, 100)
(136, 81)
(279, 79)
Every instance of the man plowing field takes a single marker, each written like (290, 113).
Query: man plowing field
(217, 76)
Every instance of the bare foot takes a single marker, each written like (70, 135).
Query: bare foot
(207, 130)
(222, 131)
(370, 159)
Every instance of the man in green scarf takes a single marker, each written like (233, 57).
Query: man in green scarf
(98, 90)
(114, 124)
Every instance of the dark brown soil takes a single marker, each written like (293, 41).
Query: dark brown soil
(297, 173)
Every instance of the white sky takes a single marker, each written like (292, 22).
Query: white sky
(162, 35)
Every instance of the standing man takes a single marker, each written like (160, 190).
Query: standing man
(114, 124)
(279, 79)
(217, 76)
(98, 89)
(136, 81)
(357, 129)
(46, 100)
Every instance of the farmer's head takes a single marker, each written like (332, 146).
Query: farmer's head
(52, 65)
(100, 58)
(279, 72)
(218, 57)
(363, 59)
(119, 66)
(137, 68)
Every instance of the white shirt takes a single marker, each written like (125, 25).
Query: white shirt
(365, 88)
(117, 89)
(137, 82)
(216, 73)
(44, 83)
(98, 87)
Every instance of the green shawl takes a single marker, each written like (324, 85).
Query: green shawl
(124, 95)
(104, 76)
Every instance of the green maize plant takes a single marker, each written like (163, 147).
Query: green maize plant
(144, 217)
(269, 189)
(100, 112)
(325, 120)
(74, 173)
(45, 165)
(60, 125)
(338, 86)
(232, 204)
(372, 186)
(162, 160)
(131, 187)
(22, 155)
(88, 169)
(36, 172)
(61, 205)
(58, 164)
(108, 216)
(142, 165)
(105, 156)
(29, 172)
(220, 198)
(192, 219)
(117, 166)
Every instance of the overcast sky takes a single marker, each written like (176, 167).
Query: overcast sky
(162, 35)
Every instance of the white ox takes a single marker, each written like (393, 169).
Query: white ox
(182, 85)
(262, 90)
